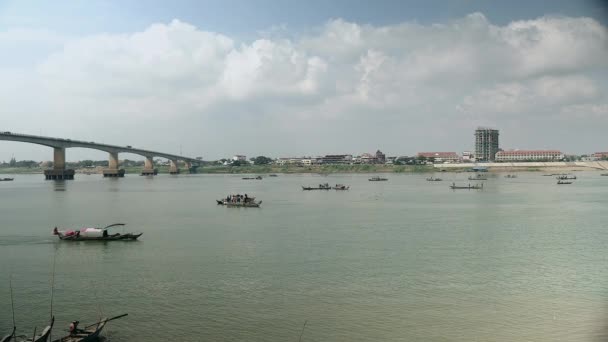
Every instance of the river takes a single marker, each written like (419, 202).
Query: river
(403, 260)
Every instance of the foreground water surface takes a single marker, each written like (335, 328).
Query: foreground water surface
(403, 260)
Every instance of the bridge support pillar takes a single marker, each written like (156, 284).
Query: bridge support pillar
(113, 170)
(149, 169)
(59, 172)
(174, 168)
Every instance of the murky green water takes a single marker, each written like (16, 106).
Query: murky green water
(403, 260)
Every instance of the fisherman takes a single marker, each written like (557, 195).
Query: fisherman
(246, 198)
(74, 328)
(55, 231)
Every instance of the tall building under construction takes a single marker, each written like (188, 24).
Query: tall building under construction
(486, 144)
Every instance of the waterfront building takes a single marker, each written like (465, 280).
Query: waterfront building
(239, 157)
(337, 159)
(486, 144)
(601, 155)
(380, 157)
(529, 155)
(468, 156)
(368, 158)
(440, 156)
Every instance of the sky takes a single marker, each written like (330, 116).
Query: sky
(303, 78)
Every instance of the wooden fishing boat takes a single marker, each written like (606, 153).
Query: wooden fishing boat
(341, 187)
(466, 187)
(320, 187)
(258, 177)
(560, 182)
(84, 335)
(434, 179)
(90, 333)
(46, 332)
(272, 175)
(9, 337)
(478, 177)
(6, 179)
(604, 174)
(95, 234)
(377, 179)
(565, 177)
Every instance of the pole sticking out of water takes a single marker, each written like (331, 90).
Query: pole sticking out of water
(10, 282)
(302, 333)
(53, 283)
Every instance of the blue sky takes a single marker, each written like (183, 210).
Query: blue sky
(304, 78)
(242, 17)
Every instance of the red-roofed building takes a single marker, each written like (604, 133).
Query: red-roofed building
(601, 155)
(525, 155)
(440, 156)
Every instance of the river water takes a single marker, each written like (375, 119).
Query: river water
(403, 260)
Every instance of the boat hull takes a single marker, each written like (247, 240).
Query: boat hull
(120, 237)
(89, 335)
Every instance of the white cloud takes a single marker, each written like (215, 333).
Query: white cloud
(364, 78)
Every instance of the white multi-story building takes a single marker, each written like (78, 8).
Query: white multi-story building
(524, 155)
(239, 158)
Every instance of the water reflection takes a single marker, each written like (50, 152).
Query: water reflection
(60, 185)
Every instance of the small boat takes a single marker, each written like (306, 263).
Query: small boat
(320, 187)
(95, 234)
(90, 333)
(46, 333)
(272, 175)
(478, 177)
(560, 182)
(341, 187)
(6, 179)
(563, 177)
(467, 187)
(9, 337)
(511, 176)
(604, 174)
(250, 203)
(434, 179)
(377, 179)
(258, 177)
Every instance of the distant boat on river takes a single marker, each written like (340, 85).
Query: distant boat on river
(325, 186)
(377, 179)
(258, 177)
(478, 177)
(6, 179)
(434, 179)
(560, 182)
(467, 187)
(341, 187)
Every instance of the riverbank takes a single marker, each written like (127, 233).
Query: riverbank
(330, 169)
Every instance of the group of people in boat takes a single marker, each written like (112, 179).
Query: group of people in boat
(238, 198)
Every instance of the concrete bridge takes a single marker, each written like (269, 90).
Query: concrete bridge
(59, 145)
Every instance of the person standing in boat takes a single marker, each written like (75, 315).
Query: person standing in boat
(74, 328)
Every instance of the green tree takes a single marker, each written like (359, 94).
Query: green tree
(261, 160)
(13, 162)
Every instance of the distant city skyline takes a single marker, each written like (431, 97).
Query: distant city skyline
(219, 78)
